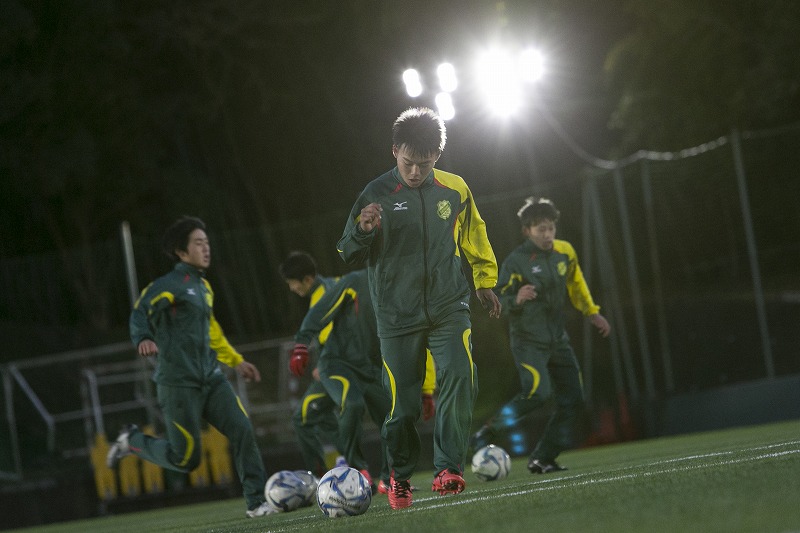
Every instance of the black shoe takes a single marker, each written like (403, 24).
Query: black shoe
(537, 466)
(482, 438)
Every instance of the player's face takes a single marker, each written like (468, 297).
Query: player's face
(301, 287)
(542, 234)
(198, 251)
(413, 168)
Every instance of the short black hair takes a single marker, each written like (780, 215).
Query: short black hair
(421, 130)
(298, 265)
(177, 235)
(537, 209)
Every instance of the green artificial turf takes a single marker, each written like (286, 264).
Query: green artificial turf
(745, 479)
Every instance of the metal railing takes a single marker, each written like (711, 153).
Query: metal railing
(111, 381)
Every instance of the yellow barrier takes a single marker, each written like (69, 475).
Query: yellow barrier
(152, 474)
(104, 478)
(219, 458)
(136, 475)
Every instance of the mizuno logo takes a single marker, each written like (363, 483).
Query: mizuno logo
(191, 292)
(400, 206)
(536, 269)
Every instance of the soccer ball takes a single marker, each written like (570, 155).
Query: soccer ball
(311, 482)
(491, 463)
(343, 491)
(285, 491)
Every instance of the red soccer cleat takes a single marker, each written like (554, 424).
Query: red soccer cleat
(399, 494)
(447, 482)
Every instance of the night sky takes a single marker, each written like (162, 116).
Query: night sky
(275, 115)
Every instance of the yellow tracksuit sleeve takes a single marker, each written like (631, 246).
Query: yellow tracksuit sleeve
(470, 234)
(577, 288)
(225, 352)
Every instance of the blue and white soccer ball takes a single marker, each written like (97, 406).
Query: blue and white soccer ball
(491, 463)
(343, 491)
(285, 491)
(312, 482)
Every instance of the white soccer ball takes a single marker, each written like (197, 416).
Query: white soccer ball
(285, 491)
(343, 491)
(312, 482)
(491, 463)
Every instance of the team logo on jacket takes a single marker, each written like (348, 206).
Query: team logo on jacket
(562, 268)
(400, 206)
(444, 210)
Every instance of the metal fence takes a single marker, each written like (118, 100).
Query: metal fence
(54, 405)
(694, 254)
(691, 254)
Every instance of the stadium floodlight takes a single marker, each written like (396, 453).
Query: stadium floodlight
(413, 83)
(498, 77)
(531, 65)
(444, 105)
(447, 77)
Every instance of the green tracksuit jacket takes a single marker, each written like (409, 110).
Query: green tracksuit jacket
(413, 257)
(353, 341)
(557, 277)
(176, 311)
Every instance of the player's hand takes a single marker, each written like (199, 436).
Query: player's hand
(602, 325)
(248, 371)
(489, 301)
(147, 347)
(526, 293)
(428, 407)
(299, 360)
(370, 217)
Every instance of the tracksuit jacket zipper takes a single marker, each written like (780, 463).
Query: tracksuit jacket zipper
(424, 258)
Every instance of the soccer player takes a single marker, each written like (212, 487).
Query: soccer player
(536, 281)
(350, 362)
(411, 225)
(314, 420)
(173, 319)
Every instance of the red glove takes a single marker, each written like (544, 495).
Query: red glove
(428, 407)
(299, 360)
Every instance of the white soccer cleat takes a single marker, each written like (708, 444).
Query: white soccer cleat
(262, 510)
(121, 447)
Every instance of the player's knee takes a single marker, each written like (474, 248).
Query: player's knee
(537, 392)
(185, 459)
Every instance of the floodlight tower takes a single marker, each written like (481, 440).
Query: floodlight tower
(502, 76)
(448, 82)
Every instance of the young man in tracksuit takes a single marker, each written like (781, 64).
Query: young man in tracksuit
(314, 420)
(173, 320)
(537, 280)
(350, 365)
(411, 225)
(350, 362)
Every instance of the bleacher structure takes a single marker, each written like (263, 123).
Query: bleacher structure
(72, 405)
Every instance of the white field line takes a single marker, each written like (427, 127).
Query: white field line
(592, 478)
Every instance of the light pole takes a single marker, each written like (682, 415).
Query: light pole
(500, 74)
